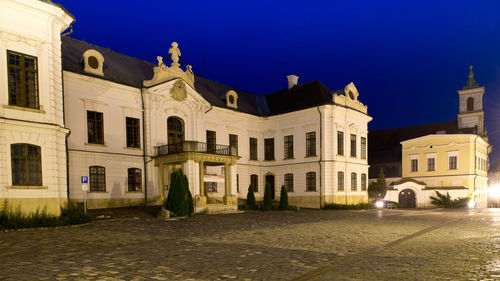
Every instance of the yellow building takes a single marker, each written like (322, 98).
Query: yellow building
(449, 157)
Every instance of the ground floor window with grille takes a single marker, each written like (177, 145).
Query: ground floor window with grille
(340, 179)
(311, 181)
(289, 182)
(363, 181)
(211, 186)
(254, 183)
(97, 178)
(134, 179)
(354, 181)
(26, 164)
(453, 162)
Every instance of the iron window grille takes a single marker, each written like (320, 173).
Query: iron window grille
(26, 164)
(97, 178)
(288, 143)
(311, 181)
(134, 179)
(340, 179)
(289, 182)
(311, 144)
(354, 181)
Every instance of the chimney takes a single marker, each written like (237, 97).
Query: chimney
(292, 80)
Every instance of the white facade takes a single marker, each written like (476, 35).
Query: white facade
(32, 29)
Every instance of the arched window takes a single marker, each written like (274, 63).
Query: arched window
(340, 178)
(354, 181)
(470, 104)
(289, 182)
(175, 128)
(254, 183)
(97, 178)
(26, 164)
(134, 179)
(311, 181)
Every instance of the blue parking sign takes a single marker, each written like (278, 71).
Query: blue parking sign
(85, 179)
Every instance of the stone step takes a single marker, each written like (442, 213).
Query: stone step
(221, 209)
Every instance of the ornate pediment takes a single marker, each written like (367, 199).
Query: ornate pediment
(164, 73)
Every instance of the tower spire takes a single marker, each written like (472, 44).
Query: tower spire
(471, 82)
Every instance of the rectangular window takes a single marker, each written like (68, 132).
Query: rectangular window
(431, 164)
(233, 142)
(354, 181)
(414, 165)
(254, 183)
(289, 182)
(133, 132)
(311, 144)
(23, 80)
(452, 162)
(95, 127)
(211, 141)
(363, 181)
(363, 148)
(311, 181)
(268, 149)
(97, 178)
(211, 186)
(253, 149)
(288, 142)
(353, 145)
(340, 179)
(340, 143)
(26, 162)
(134, 179)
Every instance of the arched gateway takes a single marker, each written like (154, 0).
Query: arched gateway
(407, 198)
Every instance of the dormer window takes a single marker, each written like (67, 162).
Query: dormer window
(93, 62)
(232, 99)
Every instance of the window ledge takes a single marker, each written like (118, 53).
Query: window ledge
(132, 148)
(311, 191)
(311, 156)
(97, 191)
(135, 191)
(26, 187)
(29, 109)
(97, 144)
(289, 158)
(269, 160)
(256, 160)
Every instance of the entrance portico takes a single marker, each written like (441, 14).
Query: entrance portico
(197, 161)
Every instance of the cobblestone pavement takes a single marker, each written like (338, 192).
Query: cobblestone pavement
(305, 245)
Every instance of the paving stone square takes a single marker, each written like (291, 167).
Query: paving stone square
(307, 245)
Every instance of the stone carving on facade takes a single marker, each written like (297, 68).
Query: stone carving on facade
(350, 98)
(163, 73)
(178, 91)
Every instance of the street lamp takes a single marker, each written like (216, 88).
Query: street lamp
(494, 193)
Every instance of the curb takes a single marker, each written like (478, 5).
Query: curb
(45, 227)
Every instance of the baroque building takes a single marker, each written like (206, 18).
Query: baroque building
(74, 109)
(448, 157)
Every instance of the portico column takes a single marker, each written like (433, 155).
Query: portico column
(162, 184)
(202, 180)
(226, 179)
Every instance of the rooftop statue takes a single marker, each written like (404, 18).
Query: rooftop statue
(175, 53)
(164, 73)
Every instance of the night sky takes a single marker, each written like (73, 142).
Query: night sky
(407, 58)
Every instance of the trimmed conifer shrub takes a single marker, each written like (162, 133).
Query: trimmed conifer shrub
(267, 198)
(179, 199)
(283, 199)
(251, 199)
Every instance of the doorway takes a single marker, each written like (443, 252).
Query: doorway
(407, 198)
(270, 181)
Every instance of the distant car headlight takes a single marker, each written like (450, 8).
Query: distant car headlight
(379, 204)
(471, 204)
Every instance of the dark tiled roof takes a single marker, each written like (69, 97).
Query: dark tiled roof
(384, 148)
(117, 67)
(132, 71)
(404, 180)
(299, 97)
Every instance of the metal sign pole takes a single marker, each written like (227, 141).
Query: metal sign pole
(85, 202)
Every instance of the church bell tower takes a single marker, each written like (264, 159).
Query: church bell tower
(471, 113)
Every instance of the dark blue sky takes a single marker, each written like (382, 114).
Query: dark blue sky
(407, 58)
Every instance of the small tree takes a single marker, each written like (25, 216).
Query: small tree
(283, 199)
(267, 198)
(377, 190)
(251, 199)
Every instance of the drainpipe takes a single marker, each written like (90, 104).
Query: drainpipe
(144, 151)
(320, 155)
(475, 164)
(64, 117)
